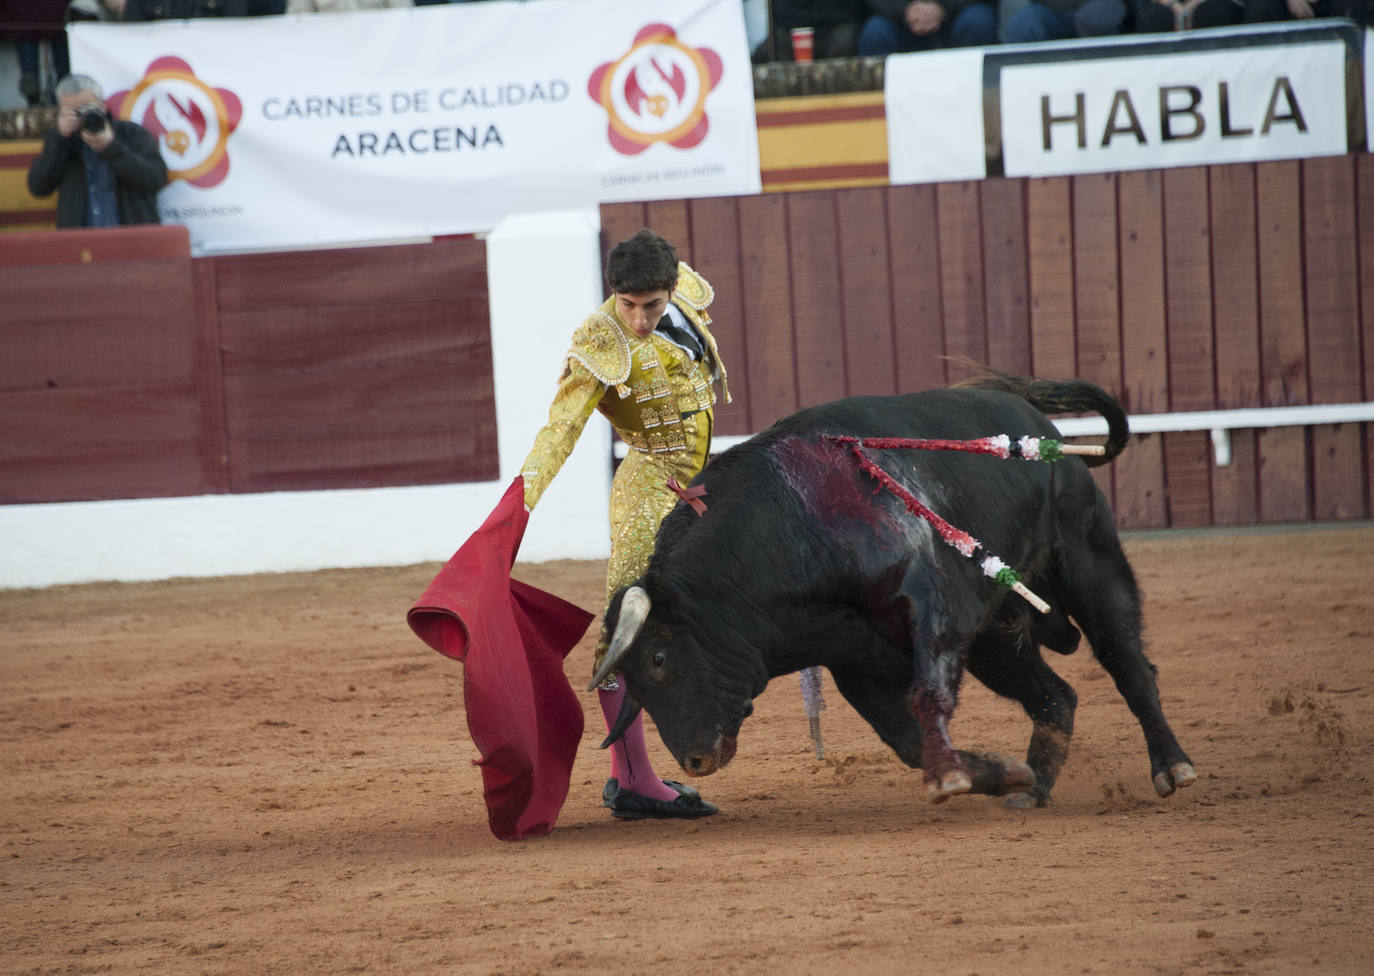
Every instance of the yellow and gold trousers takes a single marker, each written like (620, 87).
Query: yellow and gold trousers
(641, 498)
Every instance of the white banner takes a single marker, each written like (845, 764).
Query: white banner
(1110, 114)
(935, 116)
(1135, 102)
(316, 129)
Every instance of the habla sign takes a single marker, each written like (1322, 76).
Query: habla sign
(1137, 102)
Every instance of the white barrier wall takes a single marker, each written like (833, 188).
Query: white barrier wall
(544, 276)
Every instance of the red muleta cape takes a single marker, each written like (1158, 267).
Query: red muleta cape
(522, 713)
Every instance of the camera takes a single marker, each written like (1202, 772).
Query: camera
(93, 117)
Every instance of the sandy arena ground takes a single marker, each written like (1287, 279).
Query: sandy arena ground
(271, 774)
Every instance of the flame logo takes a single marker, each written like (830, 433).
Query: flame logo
(191, 120)
(657, 104)
(656, 91)
(166, 114)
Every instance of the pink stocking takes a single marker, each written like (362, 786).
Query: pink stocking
(630, 754)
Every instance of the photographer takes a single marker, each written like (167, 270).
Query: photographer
(106, 171)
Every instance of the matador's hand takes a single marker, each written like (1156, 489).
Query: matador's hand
(924, 17)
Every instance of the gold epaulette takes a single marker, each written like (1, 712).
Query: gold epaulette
(601, 346)
(692, 289)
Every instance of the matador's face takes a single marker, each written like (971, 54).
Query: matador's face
(641, 310)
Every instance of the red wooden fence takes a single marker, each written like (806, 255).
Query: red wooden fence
(1234, 286)
(129, 371)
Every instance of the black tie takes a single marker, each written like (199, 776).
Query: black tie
(686, 338)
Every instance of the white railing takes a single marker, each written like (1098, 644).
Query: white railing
(1222, 422)
(1219, 422)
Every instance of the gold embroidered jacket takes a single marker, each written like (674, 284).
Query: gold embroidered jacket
(643, 386)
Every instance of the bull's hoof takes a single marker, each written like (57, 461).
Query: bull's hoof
(1016, 775)
(1175, 777)
(1025, 801)
(950, 783)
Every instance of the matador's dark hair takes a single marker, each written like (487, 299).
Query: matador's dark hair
(645, 262)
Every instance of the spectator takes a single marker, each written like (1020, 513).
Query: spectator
(1164, 15)
(106, 171)
(336, 6)
(1262, 11)
(1158, 16)
(1154, 16)
(31, 80)
(899, 26)
(1049, 20)
(836, 24)
(31, 75)
(35, 27)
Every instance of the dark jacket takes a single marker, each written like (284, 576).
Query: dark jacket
(818, 13)
(136, 164)
(896, 9)
(140, 10)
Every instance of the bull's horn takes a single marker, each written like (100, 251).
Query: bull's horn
(629, 711)
(634, 608)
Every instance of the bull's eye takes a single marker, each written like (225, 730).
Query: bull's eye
(659, 659)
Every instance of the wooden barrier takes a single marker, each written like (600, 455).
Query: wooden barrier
(98, 386)
(1194, 289)
(357, 368)
(132, 370)
(1224, 287)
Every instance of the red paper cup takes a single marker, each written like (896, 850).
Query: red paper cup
(803, 38)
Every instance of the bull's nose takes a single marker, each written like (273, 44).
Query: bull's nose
(700, 764)
(748, 709)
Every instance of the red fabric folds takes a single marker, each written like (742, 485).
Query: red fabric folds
(522, 713)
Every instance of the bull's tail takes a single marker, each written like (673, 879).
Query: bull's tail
(1060, 396)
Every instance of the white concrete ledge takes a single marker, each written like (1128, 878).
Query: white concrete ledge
(1161, 423)
(1216, 421)
(1221, 422)
(222, 535)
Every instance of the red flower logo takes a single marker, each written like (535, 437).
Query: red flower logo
(190, 120)
(656, 91)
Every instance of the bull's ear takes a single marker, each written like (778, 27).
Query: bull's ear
(629, 711)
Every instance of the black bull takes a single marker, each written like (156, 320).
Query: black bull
(801, 558)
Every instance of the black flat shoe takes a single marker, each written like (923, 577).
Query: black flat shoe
(613, 786)
(633, 806)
